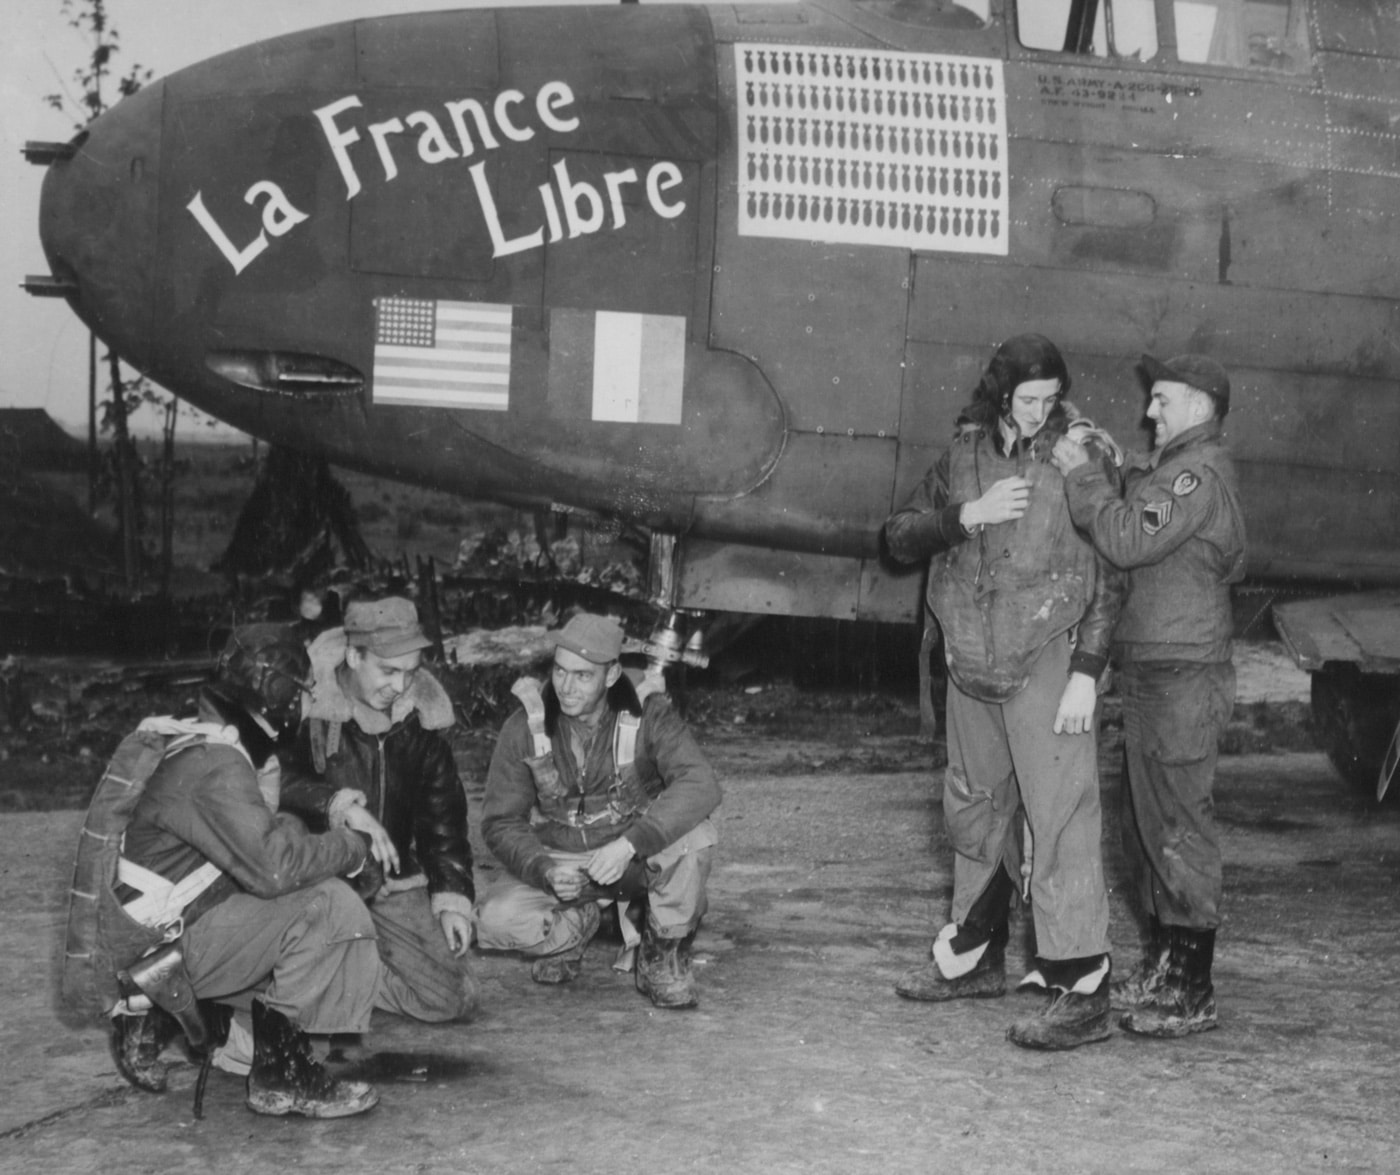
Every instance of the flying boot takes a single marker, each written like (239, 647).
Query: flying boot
(663, 968)
(564, 966)
(137, 1042)
(285, 1079)
(967, 961)
(1138, 987)
(1185, 1001)
(1077, 1012)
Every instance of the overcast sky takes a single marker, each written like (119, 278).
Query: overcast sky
(43, 346)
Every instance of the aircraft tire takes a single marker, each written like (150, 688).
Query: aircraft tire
(1354, 716)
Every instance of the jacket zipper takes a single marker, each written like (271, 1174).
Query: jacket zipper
(379, 774)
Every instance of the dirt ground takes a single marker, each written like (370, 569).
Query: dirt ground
(833, 871)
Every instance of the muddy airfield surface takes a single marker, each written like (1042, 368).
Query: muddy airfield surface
(834, 870)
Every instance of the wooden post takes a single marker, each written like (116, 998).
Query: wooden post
(92, 424)
(126, 497)
(167, 497)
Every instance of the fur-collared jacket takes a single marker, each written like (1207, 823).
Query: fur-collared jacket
(399, 765)
(1003, 593)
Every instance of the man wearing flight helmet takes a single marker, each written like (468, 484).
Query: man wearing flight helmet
(262, 922)
(1025, 608)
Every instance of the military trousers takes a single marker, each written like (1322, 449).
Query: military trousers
(1004, 759)
(310, 955)
(421, 977)
(518, 917)
(1174, 713)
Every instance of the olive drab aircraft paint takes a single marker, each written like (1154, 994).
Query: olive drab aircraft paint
(727, 272)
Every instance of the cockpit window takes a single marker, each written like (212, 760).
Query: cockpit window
(981, 9)
(1245, 34)
(1101, 28)
(1265, 34)
(935, 14)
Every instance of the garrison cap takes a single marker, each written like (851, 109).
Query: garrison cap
(594, 638)
(387, 627)
(1197, 371)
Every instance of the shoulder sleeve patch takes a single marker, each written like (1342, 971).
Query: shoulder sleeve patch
(1156, 515)
(1185, 482)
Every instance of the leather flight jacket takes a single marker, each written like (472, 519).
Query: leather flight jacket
(1003, 593)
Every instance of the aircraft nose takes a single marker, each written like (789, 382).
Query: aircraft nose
(98, 222)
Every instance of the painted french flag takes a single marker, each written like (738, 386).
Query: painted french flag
(617, 367)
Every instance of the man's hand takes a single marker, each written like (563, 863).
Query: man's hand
(1004, 502)
(1068, 454)
(1076, 712)
(381, 845)
(610, 862)
(457, 929)
(566, 881)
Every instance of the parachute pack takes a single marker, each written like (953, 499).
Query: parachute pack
(102, 937)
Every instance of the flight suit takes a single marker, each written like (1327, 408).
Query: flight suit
(1179, 533)
(1021, 605)
(559, 807)
(278, 923)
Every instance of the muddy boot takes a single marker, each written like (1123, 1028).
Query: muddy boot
(564, 966)
(1078, 1011)
(663, 969)
(137, 1042)
(285, 1080)
(1144, 979)
(977, 972)
(1185, 1001)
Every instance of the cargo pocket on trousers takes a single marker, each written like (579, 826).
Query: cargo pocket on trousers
(970, 816)
(1182, 718)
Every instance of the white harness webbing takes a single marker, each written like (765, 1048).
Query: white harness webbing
(625, 739)
(162, 902)
(527, 689)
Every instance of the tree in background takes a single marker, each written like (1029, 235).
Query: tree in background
(293, 522)
(298, 514)
(124, 395)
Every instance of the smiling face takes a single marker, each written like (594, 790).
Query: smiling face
(1032, 403)
(580, 685)
(378, 681)
(1175, 407)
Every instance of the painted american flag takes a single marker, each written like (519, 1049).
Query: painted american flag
(430, 353)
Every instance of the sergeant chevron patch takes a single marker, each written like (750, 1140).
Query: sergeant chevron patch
(1156, 515)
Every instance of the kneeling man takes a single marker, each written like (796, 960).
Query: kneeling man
(373, 756)
(624, 795)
